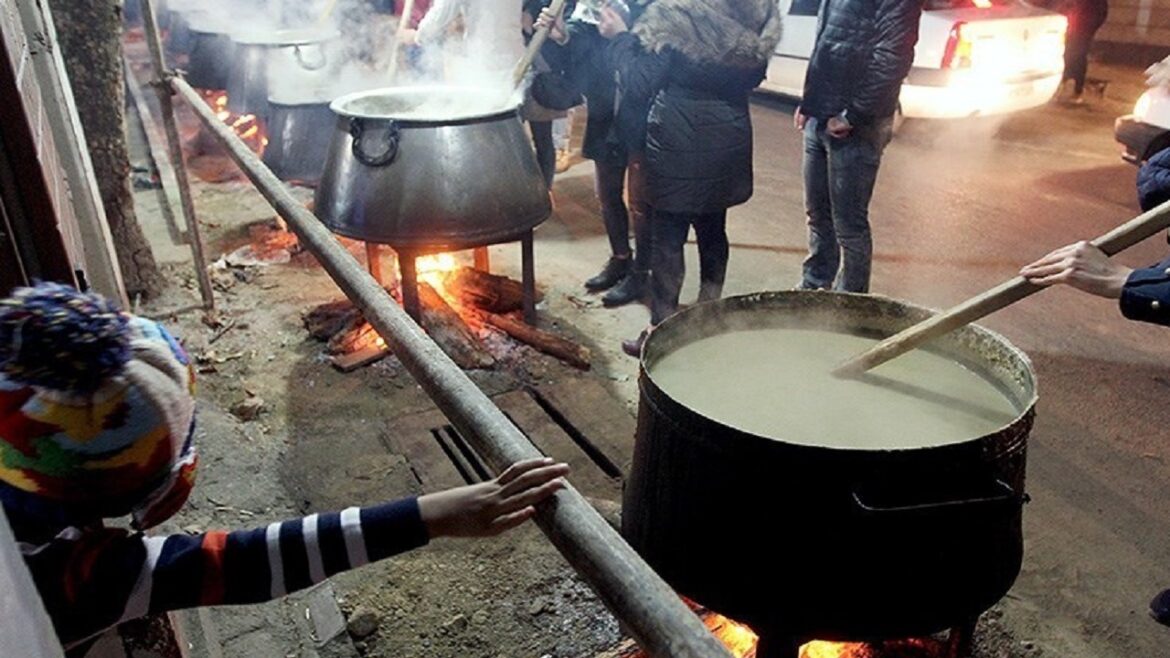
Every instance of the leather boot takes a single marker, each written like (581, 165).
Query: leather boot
(614, 271)
(631, 289)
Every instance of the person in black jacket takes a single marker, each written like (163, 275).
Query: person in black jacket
(1142, 294)
(581, 50)
(863, 52)
(692, 63)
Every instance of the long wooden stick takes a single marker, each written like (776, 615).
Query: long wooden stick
(403, 23)
(557, 7)
(1005, 294)
(653, 612)
(162, 85)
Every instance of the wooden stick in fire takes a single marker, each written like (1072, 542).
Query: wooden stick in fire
(403, 23)
(557, 8)
(1005, 294)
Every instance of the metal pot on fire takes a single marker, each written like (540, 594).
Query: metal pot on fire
(210, 58)
(800, 526)
(299, 135)
(296, 58)
(438, 167)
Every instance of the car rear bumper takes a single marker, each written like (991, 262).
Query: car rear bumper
(1137, 137)
(938, 94)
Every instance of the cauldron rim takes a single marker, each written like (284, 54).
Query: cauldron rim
(283, 37)
(656, 394)
(338, 106)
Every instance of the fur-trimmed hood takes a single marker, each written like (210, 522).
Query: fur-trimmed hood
(736, 33)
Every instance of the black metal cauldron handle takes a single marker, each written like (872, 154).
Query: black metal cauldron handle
(310, 66)
(357, 128)
(1003, 494)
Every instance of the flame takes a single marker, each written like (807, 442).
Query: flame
(434, 270)
(248, 126)
(739, 639)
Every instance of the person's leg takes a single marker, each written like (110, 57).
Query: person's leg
(610, 179)
(636, 284)
(824, 255)
(853, 167)
(1076, 60)
(669, 268)
(546, 150)
(714, 251)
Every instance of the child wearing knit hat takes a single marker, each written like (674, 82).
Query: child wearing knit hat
(97, 422)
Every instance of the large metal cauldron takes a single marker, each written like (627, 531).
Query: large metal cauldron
(295, 57)
(299, 134)
(210, 56)
(430, 168)
(811, 542)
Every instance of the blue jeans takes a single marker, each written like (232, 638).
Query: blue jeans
(839, 176)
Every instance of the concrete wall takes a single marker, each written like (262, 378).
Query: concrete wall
(1138, 31)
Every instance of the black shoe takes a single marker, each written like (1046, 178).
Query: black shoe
(614, 271)
(632, 288)
(634, 347)
(1160, 608)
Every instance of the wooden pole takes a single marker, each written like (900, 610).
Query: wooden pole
(1005, 294)
(162, 85)
(658, 619)
(557, 8)
(403, 23)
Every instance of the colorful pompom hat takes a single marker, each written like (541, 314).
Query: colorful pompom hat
(97, 415)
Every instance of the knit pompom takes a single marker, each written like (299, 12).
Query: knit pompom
(55, 337)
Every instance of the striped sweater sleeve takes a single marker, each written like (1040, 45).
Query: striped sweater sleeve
(92, 582)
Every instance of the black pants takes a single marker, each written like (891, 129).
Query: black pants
(546, 149)
(670, 269)
(612, 178)
(1076, 55)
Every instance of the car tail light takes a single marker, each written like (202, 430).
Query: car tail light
(957, 54)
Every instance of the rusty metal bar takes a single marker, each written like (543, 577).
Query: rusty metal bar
(175, 146)
(657, 618)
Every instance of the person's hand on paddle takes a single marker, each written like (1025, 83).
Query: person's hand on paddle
(1081, 266)
(555, 24)
(611, 23)
(489, 508)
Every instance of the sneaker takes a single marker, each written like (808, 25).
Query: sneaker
(632, 288)
(634, 347)
(1160, 608)
(614, 271)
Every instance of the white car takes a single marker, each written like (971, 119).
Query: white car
(974, 57)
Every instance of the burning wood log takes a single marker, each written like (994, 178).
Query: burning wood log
(450, 331)
(327, 320)
(575, 355)
(495, 294)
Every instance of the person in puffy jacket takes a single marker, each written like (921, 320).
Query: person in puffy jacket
(863, 52)
(693, 64)
(1142, 294)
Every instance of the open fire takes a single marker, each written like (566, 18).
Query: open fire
(744, 643)
(249, 127)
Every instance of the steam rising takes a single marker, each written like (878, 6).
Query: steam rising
(354, 50)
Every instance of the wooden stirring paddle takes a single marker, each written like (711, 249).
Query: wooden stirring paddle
(557, 8)
(1005, 294)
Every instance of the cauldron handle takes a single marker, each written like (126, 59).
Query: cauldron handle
(357, 129)
(1003, 494)
(310, 66)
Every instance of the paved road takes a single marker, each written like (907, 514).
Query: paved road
(959, 207)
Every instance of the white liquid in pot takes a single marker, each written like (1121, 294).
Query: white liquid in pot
(777, 383)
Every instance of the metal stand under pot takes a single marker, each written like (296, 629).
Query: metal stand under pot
(432, 169)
